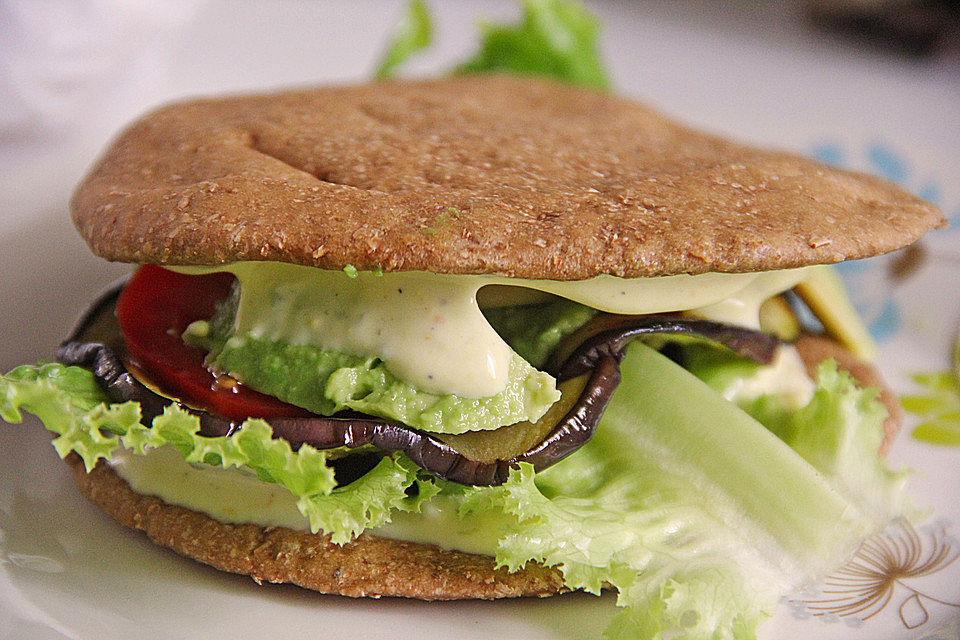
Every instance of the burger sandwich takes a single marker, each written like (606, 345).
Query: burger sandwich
(479, 337)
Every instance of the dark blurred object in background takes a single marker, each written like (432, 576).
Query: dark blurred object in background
(912, 27)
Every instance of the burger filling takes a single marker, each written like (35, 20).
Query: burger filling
(680, 455)
(418, 348)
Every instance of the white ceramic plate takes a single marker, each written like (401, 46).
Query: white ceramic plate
(68, 571)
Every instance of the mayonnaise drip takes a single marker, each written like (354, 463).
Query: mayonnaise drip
(428, 328)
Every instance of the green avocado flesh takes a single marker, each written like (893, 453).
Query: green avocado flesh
(534, 331)
(327, 381)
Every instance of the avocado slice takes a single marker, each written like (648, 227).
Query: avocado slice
(510, 441)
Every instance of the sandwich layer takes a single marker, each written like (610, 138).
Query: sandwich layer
(475, 175)
(368, 566)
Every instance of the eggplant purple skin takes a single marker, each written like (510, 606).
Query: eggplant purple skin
(754, 345)
(599, 355)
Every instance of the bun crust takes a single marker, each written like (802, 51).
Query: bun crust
(369, 566)
(473, 175)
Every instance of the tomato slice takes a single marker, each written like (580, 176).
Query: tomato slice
(153, 311)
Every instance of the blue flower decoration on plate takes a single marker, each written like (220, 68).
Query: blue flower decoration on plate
(868, 280)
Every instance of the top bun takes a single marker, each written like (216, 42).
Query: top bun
(473, 175)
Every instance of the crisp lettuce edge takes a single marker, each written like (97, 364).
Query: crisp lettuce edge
(557, 39)
(71, 404)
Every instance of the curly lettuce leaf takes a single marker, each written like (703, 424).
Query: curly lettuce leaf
(413, 34)
(839, 432)
(554, 38)
(696, 514)
(370, 501)
(71, 404)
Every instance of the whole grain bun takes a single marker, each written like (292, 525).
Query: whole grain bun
(483, 174)
(369, 566)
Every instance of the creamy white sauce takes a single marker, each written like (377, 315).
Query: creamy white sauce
(786, 377)
(428, 328)
(237, 496)
(743, 308)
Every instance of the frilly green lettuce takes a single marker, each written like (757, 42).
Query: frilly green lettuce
(69, 402)
(554, 38)
(413, 34)
(839, 432)
(698, 515)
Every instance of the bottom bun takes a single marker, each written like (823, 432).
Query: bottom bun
(368, 566)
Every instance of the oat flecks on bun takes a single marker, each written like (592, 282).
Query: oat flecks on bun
(367, 567)
(519, 177)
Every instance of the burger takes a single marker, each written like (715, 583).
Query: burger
(480, 337)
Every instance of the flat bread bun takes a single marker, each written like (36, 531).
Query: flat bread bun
(369, 566)
(473, 175)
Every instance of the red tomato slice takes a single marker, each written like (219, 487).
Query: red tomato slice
(154, 310)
